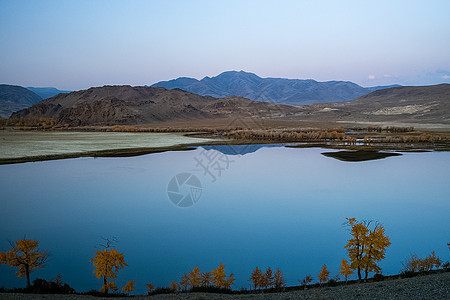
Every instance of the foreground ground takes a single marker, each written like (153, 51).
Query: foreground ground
(435, 286)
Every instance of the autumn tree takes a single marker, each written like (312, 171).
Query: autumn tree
(129, 287)
(174, 286)
(206, 279)
(219, 277)
(195, 277)
(306, 281)
(184, 281)
(150, 287)
(367, 246)
(26, 256)
(278, 279)
(107, 263)
(229, 282)
(345, 269)
(324, 274)
(256, 277)
(110, 285)
(268, 278)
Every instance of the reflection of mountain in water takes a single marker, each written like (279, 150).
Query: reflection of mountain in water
(239, 149)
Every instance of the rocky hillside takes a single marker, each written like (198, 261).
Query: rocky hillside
(424, 104)
(278, 90)
(111, 105)
(14, 98)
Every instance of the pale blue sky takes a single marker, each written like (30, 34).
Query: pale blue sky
(78, 44)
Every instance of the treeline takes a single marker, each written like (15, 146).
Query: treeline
(389, 129)
(334, 135)
(415, 264)
(366, 247)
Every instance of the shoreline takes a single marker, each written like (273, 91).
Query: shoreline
(138, 151)
(421, 286)
(219, 138)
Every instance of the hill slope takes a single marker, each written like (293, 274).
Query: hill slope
(13, 98)
(110, 105)
(46, 92)
(278, 90)
(423, 104)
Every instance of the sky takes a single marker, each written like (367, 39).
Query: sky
(73, 45)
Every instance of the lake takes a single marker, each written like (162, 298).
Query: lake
(265, 206)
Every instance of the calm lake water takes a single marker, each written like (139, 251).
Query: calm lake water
(273, 206)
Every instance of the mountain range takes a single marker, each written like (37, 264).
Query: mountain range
(115, 105)
(14, 98)
(46, 92)
(276, 90)
(111, 105)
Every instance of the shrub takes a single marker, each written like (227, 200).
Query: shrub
(306, 281)
(161, 290)
(378, 277)
(41, 286)
(211, 289)
(408, 274)
(416, 264)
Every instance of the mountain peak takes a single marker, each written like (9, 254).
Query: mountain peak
(279, 90)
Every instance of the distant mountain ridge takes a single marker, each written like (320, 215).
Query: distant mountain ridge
(277, 90)
(14, 98)
(46, 92)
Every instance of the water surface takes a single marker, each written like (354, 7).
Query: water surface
(273, 206)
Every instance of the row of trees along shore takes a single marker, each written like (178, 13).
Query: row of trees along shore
(366, 248)
(407, 134)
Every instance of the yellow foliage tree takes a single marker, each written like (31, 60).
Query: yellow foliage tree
(345, 269)
(278, 279)
(195, 277)
(219, 277)
(229, 282)
(367, 246)
(267, 279)
(129, 287)
(150, 287)
(26, 256)
(108, 286)
(256, 278)
(184, 281)
(206, 279)
(174, 286)
(107, 263)
(306, 281)
(324, 274)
